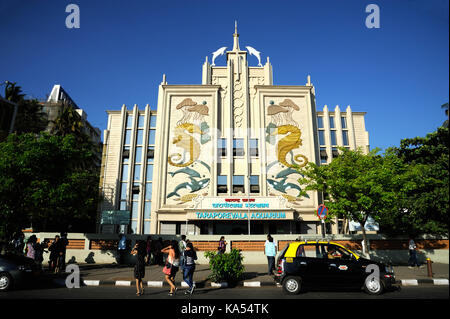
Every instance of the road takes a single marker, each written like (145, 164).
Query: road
(240, 302)
(238, 293)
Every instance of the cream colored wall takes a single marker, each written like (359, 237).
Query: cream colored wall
(112, 159)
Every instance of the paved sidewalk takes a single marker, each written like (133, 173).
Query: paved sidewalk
(254, 276)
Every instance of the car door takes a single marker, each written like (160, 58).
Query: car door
(344, 269)
(317, 272)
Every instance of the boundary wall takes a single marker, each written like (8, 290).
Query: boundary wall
(102, 248)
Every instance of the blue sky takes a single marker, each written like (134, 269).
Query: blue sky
(398, 73)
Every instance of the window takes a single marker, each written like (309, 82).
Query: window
(344, 122)
(238, 147)
(146, 227)
(149, 176)
(148, 191)
(238, 183)
(254, 147)
(323, 155)
(322, 137)
(129, 121)
(222, 146)
(333, 137)
(254, 184)
(332, 122)
(151, 137)
(138, 154)
(150, 154)
(140, 137)
(123, 191)
(147, 210)
(222, 184)
(124, 172)
(345, 137)
(335, 252)
(141, 121)
(308, 251)
(137, 172)
(334, 152)
(320, 122)
(153, 121)
(127, 137)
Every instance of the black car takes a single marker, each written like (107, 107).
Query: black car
(16, 270)
(326, 264)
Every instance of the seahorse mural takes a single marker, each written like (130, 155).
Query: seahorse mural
(192, 122)
(186, 142)
(283, 124)
(288, 143)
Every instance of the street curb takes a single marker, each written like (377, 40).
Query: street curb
(250, 284)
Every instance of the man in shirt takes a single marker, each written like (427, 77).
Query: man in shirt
(270, 250)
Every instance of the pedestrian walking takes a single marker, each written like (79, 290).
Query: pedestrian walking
(189, 267)
(182, 248)
(54, 254)
(19, 242)
(121, 248)
(39, 253)
(139, 251)
(63, 242)
(30, 247)
(222, 245)
(270, 250)
(412, 261)
(149, 247)
(172, 264)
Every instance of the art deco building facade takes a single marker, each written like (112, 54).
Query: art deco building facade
(218, 157)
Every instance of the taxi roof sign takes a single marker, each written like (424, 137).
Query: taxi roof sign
(322, 212)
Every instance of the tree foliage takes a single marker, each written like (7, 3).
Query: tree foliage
(41, 185)
(29, 118)
(357, 185)
(426, 203)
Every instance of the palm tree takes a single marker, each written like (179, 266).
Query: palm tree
(445, 107)
(68, 122)
(29, 118)
(13, 92)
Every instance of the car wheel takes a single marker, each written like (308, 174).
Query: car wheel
(5, 282)
(373, 286)
(292, 285)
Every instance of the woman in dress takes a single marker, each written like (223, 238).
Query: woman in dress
(172, 264)
(139, 250)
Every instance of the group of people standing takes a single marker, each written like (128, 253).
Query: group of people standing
(179, 255)
(35, 250)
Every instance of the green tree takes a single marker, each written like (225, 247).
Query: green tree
(426, 203)
(40, 186)
(68, 122)
(29, 118)
(356, 185)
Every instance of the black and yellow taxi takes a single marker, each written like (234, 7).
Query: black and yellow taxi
(311, 264)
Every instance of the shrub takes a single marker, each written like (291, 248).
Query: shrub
(226, 267)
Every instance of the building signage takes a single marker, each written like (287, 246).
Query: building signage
(115, 217)
(254, 203)
(240, 215)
